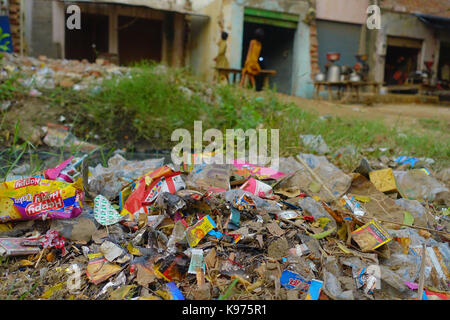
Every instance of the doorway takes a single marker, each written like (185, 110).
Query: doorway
(277, 45)
(402, 58)
(90, 40)
(139, 39)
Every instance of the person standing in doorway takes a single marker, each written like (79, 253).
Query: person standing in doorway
(251, 66)
(221, 60)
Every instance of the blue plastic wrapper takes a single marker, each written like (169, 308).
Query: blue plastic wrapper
(174, 291)
(293, 281)
(403, 159)
(314, 290)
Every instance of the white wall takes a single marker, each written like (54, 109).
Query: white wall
(351, 11)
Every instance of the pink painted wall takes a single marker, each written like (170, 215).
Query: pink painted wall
(351, 11)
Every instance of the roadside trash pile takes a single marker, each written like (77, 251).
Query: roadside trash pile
(148, 230)
(45, 73)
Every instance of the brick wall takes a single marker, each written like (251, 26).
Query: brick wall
(14, 20)
(313, 49)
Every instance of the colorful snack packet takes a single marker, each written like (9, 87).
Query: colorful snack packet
(293, 281)
(314, 290)
(36, 198)
(196, 232)
(146, 183)
(247, 169)
(258, 188)
(370, 236)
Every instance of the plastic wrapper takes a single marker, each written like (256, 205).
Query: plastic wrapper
(246, 169)
(392, 279)
(146, 190)
(16, 247)
(58, 136)
(315, 143)
(336, 180)
(299, 250)
(314, 208)
(119, 173)
(196, 263)
(235, 218)
(234, 197)
(417, 184)
(104, 213)
(353, 205)
(177, 236)
(258, 188)
(173, 267)
(37, 198)
(289, 214)
(406, 266)
(199, 230)
(334, 289)
(175, 293)
(293, 281)
(416, 209)
(314, 290)
(407, 160)
(171, 203)
(380, 205)
(214, 177)
(165, 185)
(99, 269)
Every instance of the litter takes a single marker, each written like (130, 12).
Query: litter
(307, 232)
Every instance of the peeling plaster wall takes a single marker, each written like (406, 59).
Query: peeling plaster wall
(405, 25)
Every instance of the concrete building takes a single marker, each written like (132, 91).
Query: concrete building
(298, 34)
(126, 31)
(418, 30)
(286, 45)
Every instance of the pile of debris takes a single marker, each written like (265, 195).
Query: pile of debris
(45, 73)
(149, 230)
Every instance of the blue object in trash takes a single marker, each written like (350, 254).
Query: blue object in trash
(176, 293)
(404, 159)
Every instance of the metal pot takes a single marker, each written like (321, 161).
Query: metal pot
(320, 77)
(354, 77)
(333, 74)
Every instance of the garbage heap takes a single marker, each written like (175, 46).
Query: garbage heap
(149, 230)
(46, 73)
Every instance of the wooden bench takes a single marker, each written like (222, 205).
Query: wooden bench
(237, 72)
(345, 88)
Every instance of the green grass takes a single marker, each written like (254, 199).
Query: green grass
(148, 106)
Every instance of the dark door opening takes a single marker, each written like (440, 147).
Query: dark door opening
(400, 62)
(444, 65)
(276, 53)
(90, 40)
(139, 39)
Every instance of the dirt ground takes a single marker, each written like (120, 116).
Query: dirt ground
(391, 114)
